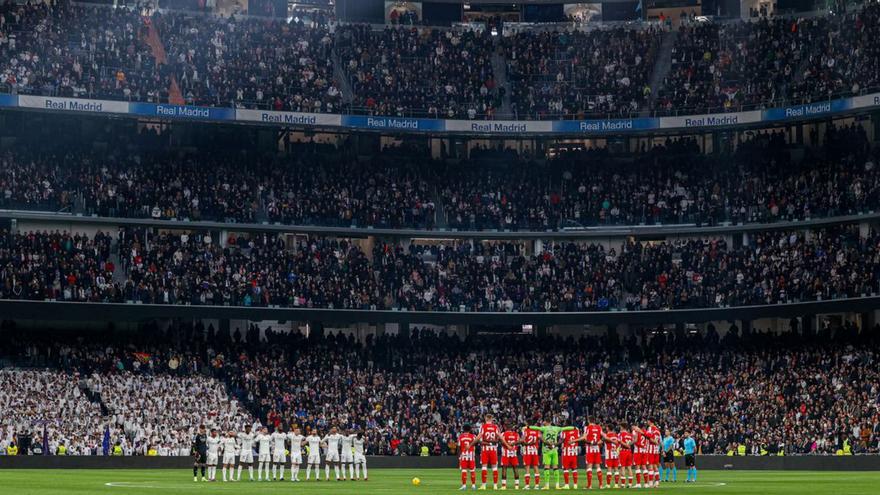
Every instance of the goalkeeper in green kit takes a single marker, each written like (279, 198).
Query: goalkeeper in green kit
(550, 449)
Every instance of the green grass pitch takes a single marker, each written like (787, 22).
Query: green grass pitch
(399, 481)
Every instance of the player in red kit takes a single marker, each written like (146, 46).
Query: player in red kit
(467, 457)
(612, 459)
(509, 459)
(532, 462)
(593, 436)
(625, 439)
(655, 439)
(570, 440)
(640, 455)
(490, 437)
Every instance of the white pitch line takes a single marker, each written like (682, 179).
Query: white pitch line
(130, 484)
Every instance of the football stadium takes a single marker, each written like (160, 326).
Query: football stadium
(341, 247)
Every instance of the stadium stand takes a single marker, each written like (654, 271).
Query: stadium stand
(788, 392)
(78, 51)
(845, 60)
(592, 234)
(142, 395)
(251, 63)
(565, 75)
(408, 71)
(263, 270)
(740, 66)
(98, 52)
(671, 183)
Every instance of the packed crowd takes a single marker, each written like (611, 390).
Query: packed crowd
(47, 402)
(845, 60)
(303, 190)
(669, 184)
(737, 66)
(796, 392)
(411, 71)
(252, 63)
(76, 393)
(57, 266)
(762, 181)
(77, 51)
(271, 270)
(772, 62)
(257, 271)
(565, 75)
(165, 411)
(770, 268)
(101, 52)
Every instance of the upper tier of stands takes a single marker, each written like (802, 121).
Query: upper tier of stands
(107, 53)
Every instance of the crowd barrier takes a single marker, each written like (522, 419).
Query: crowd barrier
(592, 127)
(73, 222)
(91, 311)
(711, 462)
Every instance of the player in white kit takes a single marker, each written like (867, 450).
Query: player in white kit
(213, 454)
(313, 444)
(246, 452)
(346, 457)
(229, 445)
(332, 440)
(279, 451)
(360, 460)
(264, 453)
(296, 458)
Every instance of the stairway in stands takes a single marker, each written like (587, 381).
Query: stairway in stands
(154, 41)
(119, 275)
(342, 80)
(499, 69)
(662, 66)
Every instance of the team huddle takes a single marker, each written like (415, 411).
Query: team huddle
(631, 455)
(342, 451)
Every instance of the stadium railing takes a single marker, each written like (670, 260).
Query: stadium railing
(86, 311)
(36, 218)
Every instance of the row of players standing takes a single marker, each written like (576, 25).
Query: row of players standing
(631, 454)
(343, 451)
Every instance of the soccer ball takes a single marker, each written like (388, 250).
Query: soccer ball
(416, 482)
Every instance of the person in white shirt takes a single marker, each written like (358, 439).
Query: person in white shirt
(313, 442)
(296, 443)
(229, 445)
(279, 452)
(346, 457)
(213, 454)
(332, 440)
(264, 441)
(246, 452)
(360, 460)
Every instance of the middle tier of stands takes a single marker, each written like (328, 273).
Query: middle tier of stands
(268, 270)
(107, 53)
(764, 181)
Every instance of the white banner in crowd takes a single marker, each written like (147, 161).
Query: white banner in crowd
(72, 104)
(513, 128)
(291, 118)
(711, 120)
(865, 101)
(500, 126)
